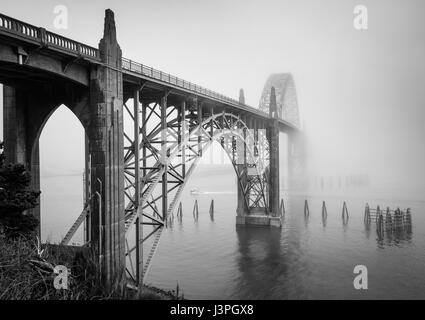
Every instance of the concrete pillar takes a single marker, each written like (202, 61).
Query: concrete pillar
(273, 137)
(241, 96)
(20, 144)
(105, 133)
(14, 133)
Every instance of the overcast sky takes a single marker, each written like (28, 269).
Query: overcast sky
(361, 93)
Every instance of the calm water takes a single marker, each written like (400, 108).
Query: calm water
(304, 260)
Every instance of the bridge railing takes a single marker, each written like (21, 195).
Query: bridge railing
(49, 39)
(18, 27)
(150, 72)
(71, 45)
(46, 38)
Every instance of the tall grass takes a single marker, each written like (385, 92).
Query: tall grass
(26, 272)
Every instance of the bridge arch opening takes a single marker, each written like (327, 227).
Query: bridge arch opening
(62, 163)
(234, 139)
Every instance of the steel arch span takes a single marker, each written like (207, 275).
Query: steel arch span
(286, 97)
(167, 168)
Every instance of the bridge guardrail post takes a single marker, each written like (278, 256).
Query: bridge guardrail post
(42, 35)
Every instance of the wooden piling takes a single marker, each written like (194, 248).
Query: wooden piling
(378, 213)
(324, 210)
(402, 216)
(344, 214)
(367, 214)
(397, 218)
(388, 220)
(195, 209)
(306, 210)
(180, 211)
(408, 216)
(379, 222)
(212, 209)
(380, 226)
(344, 211)
(408, 221)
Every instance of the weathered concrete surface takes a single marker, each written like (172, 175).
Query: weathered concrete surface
(29, 103)
(38, 61)
(14, 108)
(274, 174)
(106, 145)
(26, 109)
(258, 220)
(259, 216)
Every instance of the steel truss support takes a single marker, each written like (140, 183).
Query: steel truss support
(175, 133)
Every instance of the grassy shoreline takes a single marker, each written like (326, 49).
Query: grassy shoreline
(27, 273)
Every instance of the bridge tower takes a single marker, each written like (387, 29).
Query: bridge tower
(30, 100)
(287, 110)
(105, 150)
(274, 174)
(269, 215)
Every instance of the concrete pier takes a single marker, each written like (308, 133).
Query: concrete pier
(266, 216)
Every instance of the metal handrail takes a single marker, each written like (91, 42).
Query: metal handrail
(142, 69)
(47, 38)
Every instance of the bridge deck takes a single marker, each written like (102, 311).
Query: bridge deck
(27, 33)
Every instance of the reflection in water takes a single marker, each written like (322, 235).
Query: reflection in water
(393, 227)
(260, 253)
(308, 258)
(324, 218)
(345, 223)
(393, 236)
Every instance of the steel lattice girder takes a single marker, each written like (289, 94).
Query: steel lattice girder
(173, 139)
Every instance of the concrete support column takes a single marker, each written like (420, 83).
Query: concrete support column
(20, 146)
(105, 133)
(241, 96)
(273, 137)
(14, 132)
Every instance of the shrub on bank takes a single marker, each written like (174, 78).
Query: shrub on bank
(16, 197)
(27, 272)
(27, 269)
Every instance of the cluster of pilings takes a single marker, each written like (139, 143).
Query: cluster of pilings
(388, 221)
(344, 214)
(195, 212)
